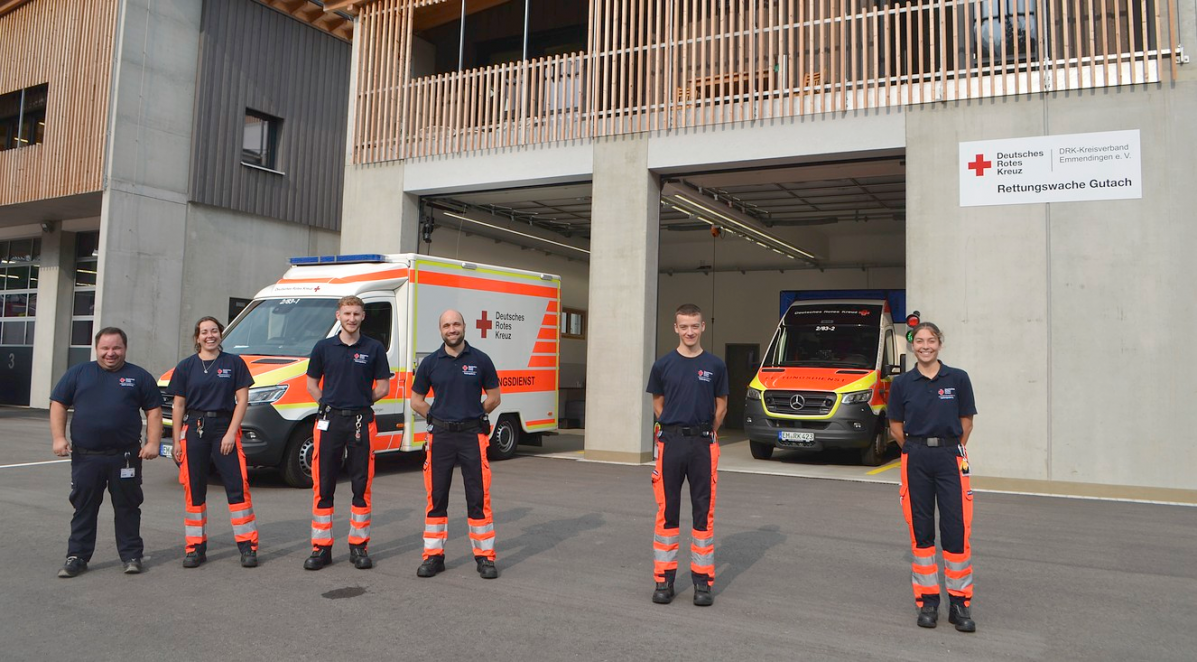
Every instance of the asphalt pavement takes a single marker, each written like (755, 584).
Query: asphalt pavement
(806, 570)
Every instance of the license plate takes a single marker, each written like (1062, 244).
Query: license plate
(165, 450)
(786, 435)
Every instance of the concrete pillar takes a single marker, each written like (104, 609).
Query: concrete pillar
(623, 302)
(55, 292)
(143, 218)
(377, 216)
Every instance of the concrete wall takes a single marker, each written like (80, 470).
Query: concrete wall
(1072, 318)
(144, 210)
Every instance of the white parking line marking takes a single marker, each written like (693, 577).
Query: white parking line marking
(32, 464)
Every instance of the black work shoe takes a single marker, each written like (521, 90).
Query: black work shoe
(962, 618)
(360, 559)
(319, 558)
(73, 566)
(663, 594)
(249, 558)
(194, 559)
(928, 616)
(487, 569)
(431, 566)
(702, 595)
(133, 567)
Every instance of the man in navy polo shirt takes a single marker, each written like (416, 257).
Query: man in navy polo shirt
(689, 389)
(458, 374)
(355, 375)
(108, 395)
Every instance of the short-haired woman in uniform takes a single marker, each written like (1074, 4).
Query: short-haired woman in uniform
(931, 412)
(211, 394)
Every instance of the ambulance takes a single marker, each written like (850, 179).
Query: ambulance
(824, 381)
(510, 314)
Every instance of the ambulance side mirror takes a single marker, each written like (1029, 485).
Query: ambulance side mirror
(893, 370)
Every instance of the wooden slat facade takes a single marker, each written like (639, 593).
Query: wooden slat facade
(66, 44)
(663, 65)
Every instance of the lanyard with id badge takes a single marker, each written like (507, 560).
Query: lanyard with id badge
(128, 471)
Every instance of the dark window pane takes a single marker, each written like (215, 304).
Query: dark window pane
(77, 355)
(31, 310)
(18, 278)
(377, 324)
(87, 244)
(15, 305)
(3, 251)
(20, 250)
(37, 250)
(29, 333)
(3, 306)
(85, 303)
(85, 274)
(13, 334)
(33, 272)
(81, 332)
(259, 139)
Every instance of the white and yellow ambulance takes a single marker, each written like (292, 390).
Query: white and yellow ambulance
(510, 314)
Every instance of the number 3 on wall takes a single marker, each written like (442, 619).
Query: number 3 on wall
(12, 360)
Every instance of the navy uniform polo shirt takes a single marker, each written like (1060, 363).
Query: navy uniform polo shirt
(108, 405)
(349, 371)
(213, 389)
(932, 407)
(690, 386)
(457, 382)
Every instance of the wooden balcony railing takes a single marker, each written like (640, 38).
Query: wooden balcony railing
(663, 65)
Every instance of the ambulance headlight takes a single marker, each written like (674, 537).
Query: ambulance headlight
(857, 397)
(264, 395)
(754, 394)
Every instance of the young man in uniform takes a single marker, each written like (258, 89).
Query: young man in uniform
(108, 395)
(458, 374)
(355, 375)
(689, 389)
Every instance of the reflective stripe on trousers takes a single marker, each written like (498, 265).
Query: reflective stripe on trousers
(322, 520)
(359, 526)
(195, 520)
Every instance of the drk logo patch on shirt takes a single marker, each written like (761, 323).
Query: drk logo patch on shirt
(947, 394)
(128, 381)
(361, 358)
(469, 370)
(224, 373)
(705, 375)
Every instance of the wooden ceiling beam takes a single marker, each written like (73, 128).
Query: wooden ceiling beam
(447, 12)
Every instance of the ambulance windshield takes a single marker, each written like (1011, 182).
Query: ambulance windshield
(281, 327)
(827, 336)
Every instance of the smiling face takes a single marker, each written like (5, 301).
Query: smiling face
(689, 329)
(110, 352)
(207, 336)
(452, 328)
(926, 346)
(350, 316)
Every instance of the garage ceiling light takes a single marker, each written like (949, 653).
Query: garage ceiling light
(695, 206)
(515, 232)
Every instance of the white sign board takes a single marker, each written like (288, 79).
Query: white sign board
(1068, 168)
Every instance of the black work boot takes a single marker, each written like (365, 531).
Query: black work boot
(962, 618)
(487, 569)
(321, 556)
(360, 558)
(195, 557)
(663, 594)
(702, 594)
(431, 566)
(928, 616)
(73, 566)
(249, 555)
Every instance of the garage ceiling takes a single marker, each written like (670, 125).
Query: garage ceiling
(820, 205)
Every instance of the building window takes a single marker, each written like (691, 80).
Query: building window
(259, 140)
(83, 313)
(573, 323)
(23, 117)
(19, 260)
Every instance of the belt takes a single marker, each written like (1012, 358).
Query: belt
(348, 412)
(701, 430)
(934, 442)
(209, 414)
(105, 451)
(455, 426)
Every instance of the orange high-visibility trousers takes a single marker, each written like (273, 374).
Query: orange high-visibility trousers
(934, 476)
(443, 451)
(347, 436)
(200, 442)
(694, 459)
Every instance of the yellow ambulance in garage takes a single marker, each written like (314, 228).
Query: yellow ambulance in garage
(510, 314)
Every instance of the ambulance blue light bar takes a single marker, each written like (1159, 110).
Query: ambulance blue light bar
(338, 259)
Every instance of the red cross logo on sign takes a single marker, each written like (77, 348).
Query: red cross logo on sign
(484, 324)
(980, 165)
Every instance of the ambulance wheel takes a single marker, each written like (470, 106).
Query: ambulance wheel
(297, 459)
(504, 438)
(874, 454)
(760, 450)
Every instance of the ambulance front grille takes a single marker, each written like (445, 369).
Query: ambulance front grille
(811, 403)
(168, 402)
